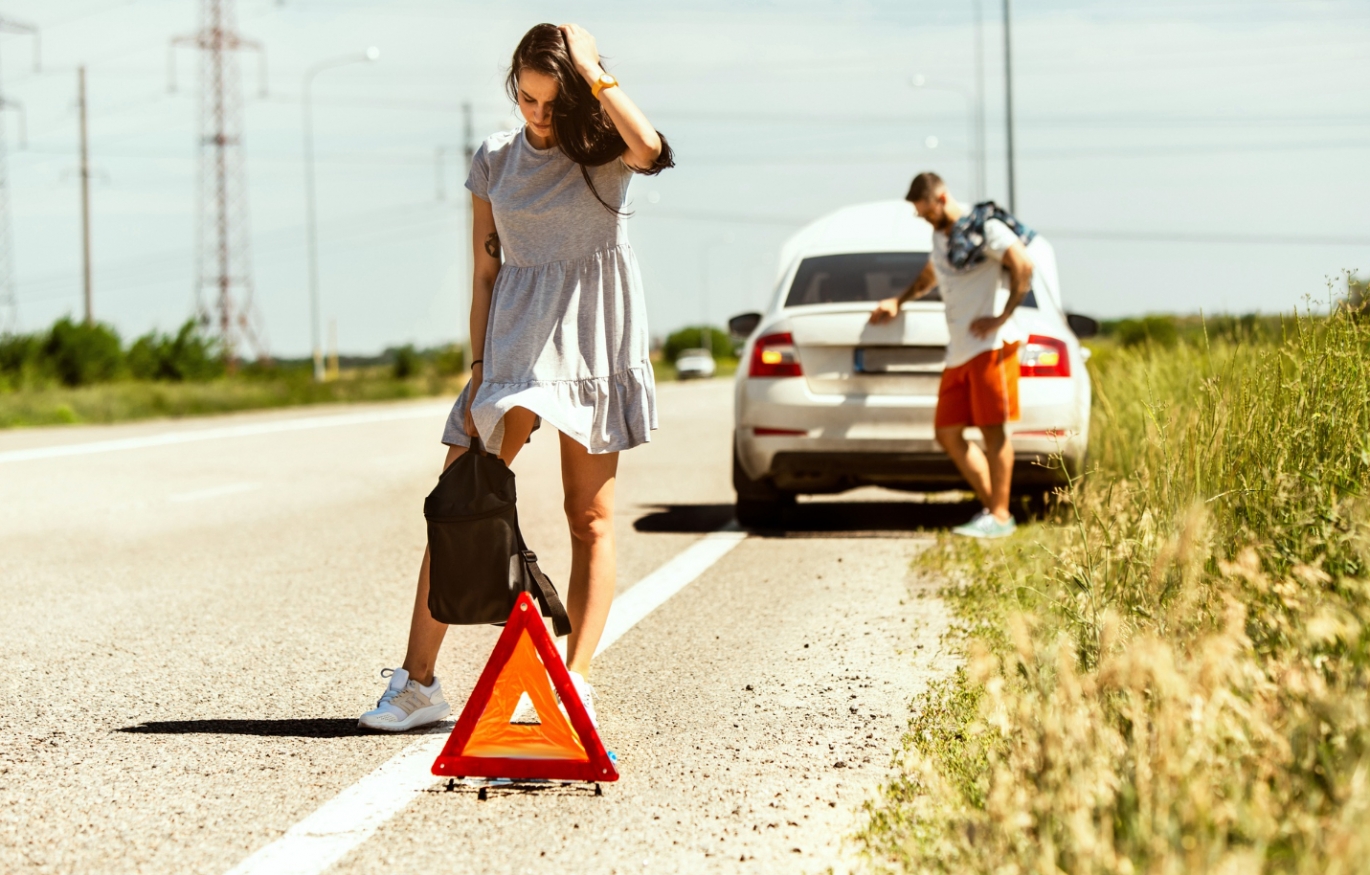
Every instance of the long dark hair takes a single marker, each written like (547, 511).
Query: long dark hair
(585, 133)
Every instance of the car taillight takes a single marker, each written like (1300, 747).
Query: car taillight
(1043, 356)
(773, 356)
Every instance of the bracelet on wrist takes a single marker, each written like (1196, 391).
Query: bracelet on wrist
(477, 362)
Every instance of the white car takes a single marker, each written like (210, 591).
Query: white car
(694, 363)
(826, 401)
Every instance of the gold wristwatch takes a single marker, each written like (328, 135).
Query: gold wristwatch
(604, 81)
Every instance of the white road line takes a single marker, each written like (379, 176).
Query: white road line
(215, 492)
(166, 439)
(653, 590)
(342, 823)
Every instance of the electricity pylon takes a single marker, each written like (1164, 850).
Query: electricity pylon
(9, 306)
(223, 285)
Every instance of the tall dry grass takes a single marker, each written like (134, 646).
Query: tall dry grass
(1172, 676)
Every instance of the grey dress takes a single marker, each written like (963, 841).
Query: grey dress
(567, 335)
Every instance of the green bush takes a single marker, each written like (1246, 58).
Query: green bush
(1357, 295)
(407, 362)
(79, 354)
(450, 360)
(20, 359)
(189, 355)
(720, 343)
(1159, 330)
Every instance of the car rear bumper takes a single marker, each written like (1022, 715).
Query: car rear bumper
(814, 473)
(838, 442)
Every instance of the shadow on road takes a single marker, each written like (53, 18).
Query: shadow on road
(320, 727)
(817, 519)
(689, 519)
(483, 790)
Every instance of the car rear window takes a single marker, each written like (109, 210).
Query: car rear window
(863, 277)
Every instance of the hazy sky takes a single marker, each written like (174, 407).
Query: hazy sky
(1208, 154)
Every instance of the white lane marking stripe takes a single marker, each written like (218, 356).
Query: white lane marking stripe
(342, 823)
(166, 439)
(215, 492)
(654, 589)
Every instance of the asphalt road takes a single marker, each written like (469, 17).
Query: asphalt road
(192, 627)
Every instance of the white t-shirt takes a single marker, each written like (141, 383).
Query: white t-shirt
(979, 290)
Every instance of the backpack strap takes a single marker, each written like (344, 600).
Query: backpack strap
(547, 596)
(546, 592)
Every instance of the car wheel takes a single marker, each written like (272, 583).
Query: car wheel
(759, 503)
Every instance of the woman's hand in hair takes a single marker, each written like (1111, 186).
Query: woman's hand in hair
(584, 51)
(642, 141)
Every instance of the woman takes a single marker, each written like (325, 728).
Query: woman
(558, 327)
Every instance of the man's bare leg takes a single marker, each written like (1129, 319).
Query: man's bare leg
(426, 633)
(999, 457)
(970, 461)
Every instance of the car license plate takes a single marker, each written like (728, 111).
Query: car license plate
(900, 359)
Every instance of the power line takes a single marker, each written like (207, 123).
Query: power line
(1212, 237)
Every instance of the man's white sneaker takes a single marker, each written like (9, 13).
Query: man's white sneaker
(986, 525)
(405, 704)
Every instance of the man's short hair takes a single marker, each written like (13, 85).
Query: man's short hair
(924, 186)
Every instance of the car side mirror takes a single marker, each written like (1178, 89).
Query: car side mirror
(1083, 326)
(743, 326)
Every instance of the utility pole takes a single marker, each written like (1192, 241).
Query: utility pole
(224, 259)
(311, 200)
(468, 152)
(9, 305)
(980, 186)
(85, 196)
(1008, 104)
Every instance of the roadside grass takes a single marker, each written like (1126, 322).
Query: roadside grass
(141, 399)
(129, 400)
(1172, 677)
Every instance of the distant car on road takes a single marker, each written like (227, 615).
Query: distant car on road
(695, 363)
(826, 401)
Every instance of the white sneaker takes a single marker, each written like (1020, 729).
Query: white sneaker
(405, 704)
(986, 525)
(587, 696)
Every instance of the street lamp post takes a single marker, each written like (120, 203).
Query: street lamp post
(311, 223)
(1008, 105)
(980, 183)
(975, 151)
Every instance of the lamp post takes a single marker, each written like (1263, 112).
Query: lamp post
(980, 183)
(706, 336)
(1008, 105)
(312, 230)
(975, 135)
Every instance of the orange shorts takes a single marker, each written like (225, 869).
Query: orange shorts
(983, 391)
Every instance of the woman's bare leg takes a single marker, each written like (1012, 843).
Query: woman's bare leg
(425, 633)
(589, 484)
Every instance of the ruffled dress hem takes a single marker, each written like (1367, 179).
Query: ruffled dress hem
(603, 414)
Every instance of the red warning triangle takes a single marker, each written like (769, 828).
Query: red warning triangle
(485, 744)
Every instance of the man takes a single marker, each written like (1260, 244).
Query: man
(981, 266)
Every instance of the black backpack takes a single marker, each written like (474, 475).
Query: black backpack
(478, 562)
